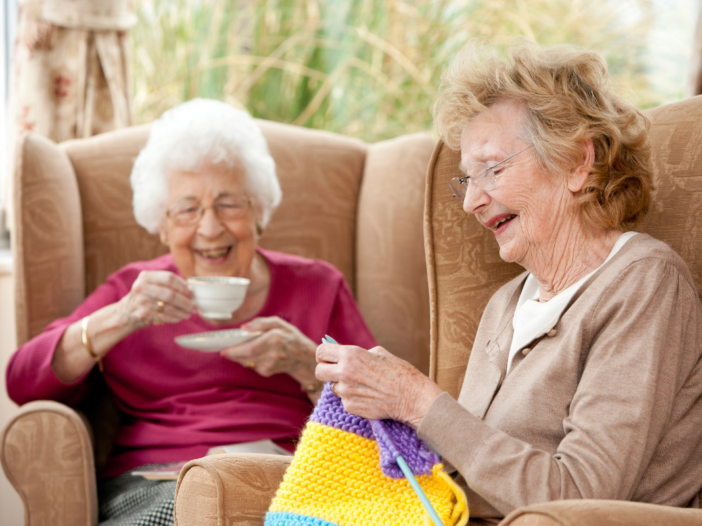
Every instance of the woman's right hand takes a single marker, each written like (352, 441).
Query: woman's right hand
(140, 307)
(112, 323)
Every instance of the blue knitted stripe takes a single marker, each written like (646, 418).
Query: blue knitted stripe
(284, 518)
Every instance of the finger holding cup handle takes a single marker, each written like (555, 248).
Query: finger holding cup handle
(156, 297)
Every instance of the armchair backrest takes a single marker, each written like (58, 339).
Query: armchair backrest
(356, 205)
(463, 260)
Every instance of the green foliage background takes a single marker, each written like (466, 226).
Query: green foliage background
(365, 68)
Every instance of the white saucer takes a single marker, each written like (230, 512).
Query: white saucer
(215, 341)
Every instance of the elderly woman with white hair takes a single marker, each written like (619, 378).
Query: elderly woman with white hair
(206, 183)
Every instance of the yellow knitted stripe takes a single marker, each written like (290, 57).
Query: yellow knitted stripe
(336, 476)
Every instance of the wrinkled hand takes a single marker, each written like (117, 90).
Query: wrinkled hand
(376, 384)
(139, 308)
(282, 348)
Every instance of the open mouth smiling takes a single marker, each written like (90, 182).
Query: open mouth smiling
(214, 253)
(498, 221)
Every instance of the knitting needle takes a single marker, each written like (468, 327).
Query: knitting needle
(419, 491)
(406, 469)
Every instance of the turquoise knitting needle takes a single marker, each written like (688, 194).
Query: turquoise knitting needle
(406, 470)
(419, 491)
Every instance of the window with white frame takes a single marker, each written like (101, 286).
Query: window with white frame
(8, 20)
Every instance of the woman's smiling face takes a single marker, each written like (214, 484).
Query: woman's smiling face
(211, 247)
(527, 205)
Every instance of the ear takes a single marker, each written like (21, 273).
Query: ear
(577, 179)
(163, 233)
(258, 218)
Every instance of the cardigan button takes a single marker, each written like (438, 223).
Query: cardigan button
(551, 333)
(526, 351)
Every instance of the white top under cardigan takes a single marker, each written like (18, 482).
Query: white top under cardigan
(533, 318)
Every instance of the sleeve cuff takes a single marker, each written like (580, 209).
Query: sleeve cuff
(454, 432)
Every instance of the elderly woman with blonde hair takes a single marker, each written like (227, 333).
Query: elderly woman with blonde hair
(206, 184)
(584, 379)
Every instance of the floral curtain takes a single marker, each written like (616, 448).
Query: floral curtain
(71, 72)
(71, 67)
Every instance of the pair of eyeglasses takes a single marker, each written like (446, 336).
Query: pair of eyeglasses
(481, 174)
(226, 209)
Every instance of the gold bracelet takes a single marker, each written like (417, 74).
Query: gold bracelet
(86, 342)
(313, 387)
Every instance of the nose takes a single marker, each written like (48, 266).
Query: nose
(475, 199)
(210, 226)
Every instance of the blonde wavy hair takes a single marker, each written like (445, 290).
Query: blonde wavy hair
(568, 99)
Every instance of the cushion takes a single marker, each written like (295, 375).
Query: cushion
(48, 238)
(392, 289)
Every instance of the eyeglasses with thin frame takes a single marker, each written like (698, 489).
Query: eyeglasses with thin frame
(225, 208)
(481, 174)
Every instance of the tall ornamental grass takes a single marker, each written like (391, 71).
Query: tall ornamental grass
(365, 68)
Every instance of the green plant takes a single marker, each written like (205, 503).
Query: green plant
(365, 68)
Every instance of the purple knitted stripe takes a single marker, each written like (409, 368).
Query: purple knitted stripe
(394, 438)
(330, 411)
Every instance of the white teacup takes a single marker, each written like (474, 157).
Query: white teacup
(217, 297)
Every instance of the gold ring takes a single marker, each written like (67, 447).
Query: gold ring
(250, 365)
(159, 310)
(332, 389)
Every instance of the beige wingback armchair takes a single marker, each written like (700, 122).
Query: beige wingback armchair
(356, 205)
(464, 271)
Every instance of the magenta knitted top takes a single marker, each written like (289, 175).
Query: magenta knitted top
(179, 402)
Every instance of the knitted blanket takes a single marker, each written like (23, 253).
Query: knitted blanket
(344, 473)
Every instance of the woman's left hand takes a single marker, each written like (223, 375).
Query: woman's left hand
(282, 348)
(376, 384)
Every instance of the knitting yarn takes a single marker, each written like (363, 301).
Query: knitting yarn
(344, 473)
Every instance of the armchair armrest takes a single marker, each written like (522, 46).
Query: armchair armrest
(232, 488)
(590, 512)
(47, 455)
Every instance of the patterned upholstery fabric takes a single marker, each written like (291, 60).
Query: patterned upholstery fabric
(47, 439)
(464, 268)
(47, 238)
(392, 288)
(463, 259)
(320, 173)
(112, 238)
(212, 493)
(676, 216)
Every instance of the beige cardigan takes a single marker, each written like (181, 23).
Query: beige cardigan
(608, 407)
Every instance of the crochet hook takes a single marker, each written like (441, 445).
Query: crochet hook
(402, 463)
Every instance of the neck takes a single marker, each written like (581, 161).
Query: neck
(260, 276)
(573, 253)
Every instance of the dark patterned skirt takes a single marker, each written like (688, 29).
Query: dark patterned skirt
(130, 500)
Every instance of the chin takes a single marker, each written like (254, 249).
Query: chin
(506, 256)
(508, 252)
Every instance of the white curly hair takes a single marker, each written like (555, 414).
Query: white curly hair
(194, 132)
